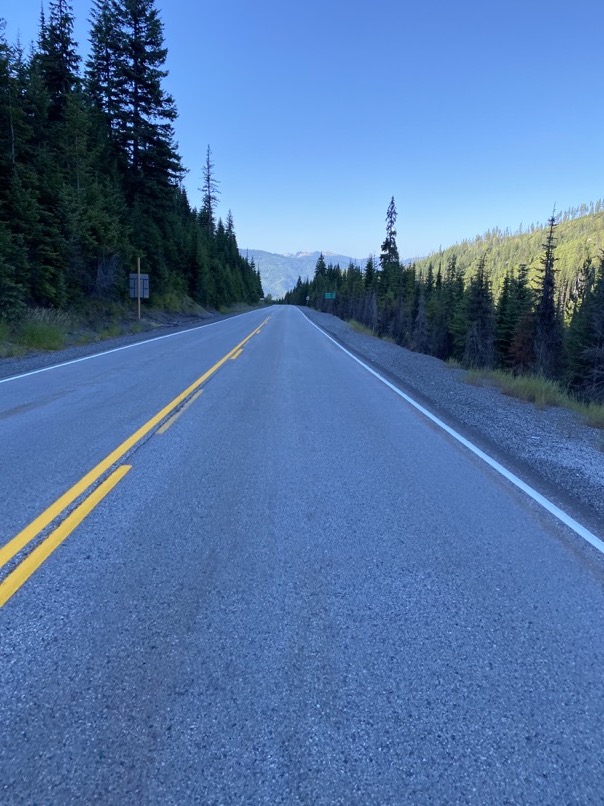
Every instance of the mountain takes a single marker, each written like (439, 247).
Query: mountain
(279, 273)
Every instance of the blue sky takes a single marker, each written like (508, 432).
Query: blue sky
(471, 114)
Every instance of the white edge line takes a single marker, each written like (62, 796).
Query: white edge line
(517, 482)
(119, 349)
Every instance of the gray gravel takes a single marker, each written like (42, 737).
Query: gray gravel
(561, 455)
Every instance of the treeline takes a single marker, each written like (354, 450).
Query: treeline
(530, 322)
(90, 175)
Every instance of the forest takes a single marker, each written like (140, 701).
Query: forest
(528, 303)
(90, 175)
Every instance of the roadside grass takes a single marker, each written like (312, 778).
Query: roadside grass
(539, 391)
(43, 329)
(359, 328)
(89, 321)
(8, 346)
(592, 412)
(175, 302)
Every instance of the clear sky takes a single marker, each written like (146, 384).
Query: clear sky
(471, 114)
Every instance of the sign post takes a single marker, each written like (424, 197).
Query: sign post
(139, 286)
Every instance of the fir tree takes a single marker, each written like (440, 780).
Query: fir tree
(210, 195)
(479, 335)
(105, 67)
(58, 56)
(586, 342)
(389, 257)
(144, 110)
(548, 327)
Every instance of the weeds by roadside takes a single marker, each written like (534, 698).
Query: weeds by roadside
(540, 391)
(43, 329)
(359, 328)
(96, 320)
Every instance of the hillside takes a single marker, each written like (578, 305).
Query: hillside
(530, 303)
(579, 238)
(280, 272)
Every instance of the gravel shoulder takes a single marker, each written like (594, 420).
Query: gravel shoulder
(552, 448)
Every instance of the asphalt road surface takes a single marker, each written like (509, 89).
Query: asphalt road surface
(292, 589)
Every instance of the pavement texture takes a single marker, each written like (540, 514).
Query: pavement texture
(302, 592)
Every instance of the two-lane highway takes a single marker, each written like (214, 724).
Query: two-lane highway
(298, 591)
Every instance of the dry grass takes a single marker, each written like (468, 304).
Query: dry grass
(43, 329)
(540, 391)
(359, 328)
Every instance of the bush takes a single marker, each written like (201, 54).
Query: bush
(44, 329)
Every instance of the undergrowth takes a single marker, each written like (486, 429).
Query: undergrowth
(359, 328)
(43, 329)
(540, 391)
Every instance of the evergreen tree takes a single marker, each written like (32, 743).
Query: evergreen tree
(58, 57)
(370, 280)
(586, 342)
(420, 337)
(210, 195)
(144, 110)
(479, 313)
(389, 257)
(514, 326)
(105, 67)
(548, 327)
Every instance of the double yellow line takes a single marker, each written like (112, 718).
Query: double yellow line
(16, 578)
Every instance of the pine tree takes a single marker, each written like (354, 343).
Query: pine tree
(105, 66)
(586, 342)
(479, 313)
(548, 326)
(144, 110)
(420, 338)
(210, 195)
(369, 280)
(514, 326)
(389, 257)
(58, 57)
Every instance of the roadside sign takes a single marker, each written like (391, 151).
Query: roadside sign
(330, 295)
(144, 286)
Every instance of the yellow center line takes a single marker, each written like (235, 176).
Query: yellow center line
(163, 428)
(236, 356)
(33, 561)
(14, 546)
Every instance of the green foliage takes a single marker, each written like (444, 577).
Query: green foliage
(90, 178)
(44, 329)
(360, 328)
(548, 326)
(531, 388)
(541, 391)
(492, 303)
(593, 414)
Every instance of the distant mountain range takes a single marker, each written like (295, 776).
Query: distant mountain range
(280, 273)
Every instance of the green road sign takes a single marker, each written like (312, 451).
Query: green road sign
(330, 295)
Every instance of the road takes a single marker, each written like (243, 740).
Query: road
(297, 591)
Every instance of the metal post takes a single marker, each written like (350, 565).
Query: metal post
(138, 286)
